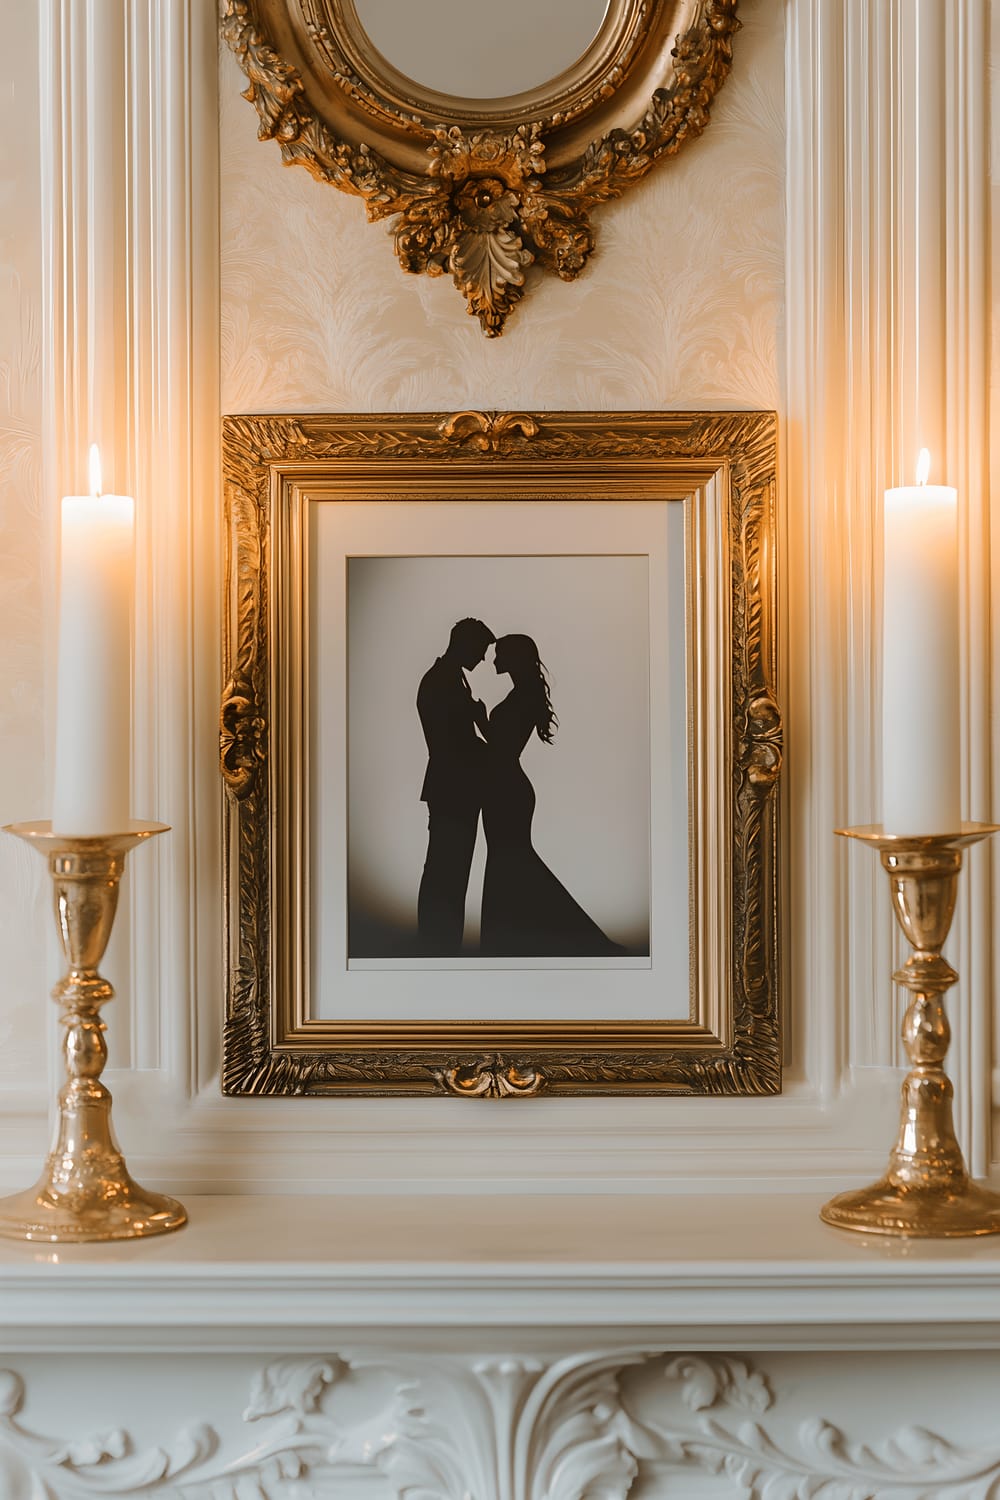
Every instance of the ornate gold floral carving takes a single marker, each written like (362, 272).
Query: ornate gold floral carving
(491, 1078)
(241, 737)
(472, 229)
(255, 451)
(482, 204)
(488, 432)
(762, 746)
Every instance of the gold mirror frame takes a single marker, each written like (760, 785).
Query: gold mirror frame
(721, 467)
(482, 189)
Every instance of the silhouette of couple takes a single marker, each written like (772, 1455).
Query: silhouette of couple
(474, 765)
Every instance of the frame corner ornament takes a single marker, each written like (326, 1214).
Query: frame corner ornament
(484, 194)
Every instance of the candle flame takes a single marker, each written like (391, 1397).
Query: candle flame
(923, 466)
(95, 470)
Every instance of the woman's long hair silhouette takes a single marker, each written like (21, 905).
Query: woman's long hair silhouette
(518, 656)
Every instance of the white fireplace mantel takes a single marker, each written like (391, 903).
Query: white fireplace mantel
(705, 1272)
(543, 1347)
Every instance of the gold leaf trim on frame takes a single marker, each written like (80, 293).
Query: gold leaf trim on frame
(482, 204)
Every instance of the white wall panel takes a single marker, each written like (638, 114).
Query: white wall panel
(887, 302)
(25, 582)
(993, 631)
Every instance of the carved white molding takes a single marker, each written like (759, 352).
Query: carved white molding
(734, 1430)
(501, 1427)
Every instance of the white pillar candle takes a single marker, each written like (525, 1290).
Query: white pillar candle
(921, 767)
(93, 703)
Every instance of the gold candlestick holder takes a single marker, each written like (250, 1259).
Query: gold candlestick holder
(85, 1191)
(926, 1191)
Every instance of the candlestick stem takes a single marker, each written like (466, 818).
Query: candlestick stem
(85, 1191)
(926, 1190)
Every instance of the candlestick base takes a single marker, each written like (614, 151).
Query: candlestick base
(926, 1191)
(47, 1213)
(85, 1192)
(887, 1207)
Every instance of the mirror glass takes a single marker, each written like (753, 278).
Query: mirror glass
(481, 49)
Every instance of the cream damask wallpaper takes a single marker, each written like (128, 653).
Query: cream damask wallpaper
(681, 305)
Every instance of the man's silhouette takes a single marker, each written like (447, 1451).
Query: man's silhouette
(454, 725)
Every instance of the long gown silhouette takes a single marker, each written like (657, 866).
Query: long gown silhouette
(527, 912)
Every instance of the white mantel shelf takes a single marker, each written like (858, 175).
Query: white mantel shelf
(706, 1272)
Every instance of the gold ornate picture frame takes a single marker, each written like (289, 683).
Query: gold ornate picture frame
(482, 189)
(639, 549)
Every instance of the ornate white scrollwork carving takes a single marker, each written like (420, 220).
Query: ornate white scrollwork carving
(496, 1428)
(512, 1427)
(818, 1462)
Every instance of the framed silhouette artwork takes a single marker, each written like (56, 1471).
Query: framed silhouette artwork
(501, 751)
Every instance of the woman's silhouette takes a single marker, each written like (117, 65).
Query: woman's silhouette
(527, 912)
